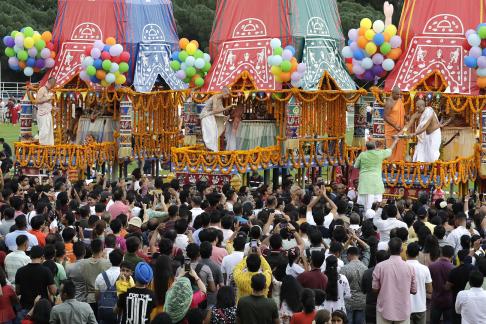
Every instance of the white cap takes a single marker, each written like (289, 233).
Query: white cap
(370, 213)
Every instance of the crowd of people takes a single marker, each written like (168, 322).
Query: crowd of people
(10, 110)
(149, 251)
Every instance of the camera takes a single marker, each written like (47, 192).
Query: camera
(187, 264)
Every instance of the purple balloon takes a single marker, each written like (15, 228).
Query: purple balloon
(13, 61)
(396, 41)
(295, 76)
(19, 40)
(99, 45)
(301, 68)
(45, 53)
(84, 76)
(377, 58)
(40, 63)
(354, 46)
(95, 53)
(287, 55)
(181, 75)
(482, 62)
(353, 34)
(9, 41)
(377, 69)
(369, 76)
(475, 52)
(32, 51)
(49, 62)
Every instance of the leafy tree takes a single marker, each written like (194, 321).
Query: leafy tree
(352, 12)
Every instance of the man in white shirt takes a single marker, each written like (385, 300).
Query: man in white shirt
(454, 237)
(329, 217)
(470, 303)
(196, 210)
(388, 221)
(17, 259)
(182, 240)
(116, 257)
(21, 225)
(424, 285)
(230, 261)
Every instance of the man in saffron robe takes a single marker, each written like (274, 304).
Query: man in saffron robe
(394, 116)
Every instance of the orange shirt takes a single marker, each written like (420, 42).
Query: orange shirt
(69, 252)
(41, 237)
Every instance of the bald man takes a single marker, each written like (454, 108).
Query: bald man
(394, 116)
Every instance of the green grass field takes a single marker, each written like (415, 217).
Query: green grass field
(11, 133)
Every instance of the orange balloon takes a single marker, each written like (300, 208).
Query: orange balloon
(285, 76)
(294, 66)
(100, 74)
(46, 36)
(53, 54)
(293, 59)
(395, 54)
(36, 70)
(194, 77)
(362, 41)
(22, 65)
(183, 43)
(195, 43)
(387, 36)
(350, 67)
(480, 81)
(110, 41)
(361, 31)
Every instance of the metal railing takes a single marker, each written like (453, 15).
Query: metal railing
(12, 89)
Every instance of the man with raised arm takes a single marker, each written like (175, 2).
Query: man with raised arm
(394, 116)
(44, 110)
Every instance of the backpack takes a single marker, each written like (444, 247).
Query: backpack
(107, 302)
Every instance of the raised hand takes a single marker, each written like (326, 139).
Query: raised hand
(388, 11)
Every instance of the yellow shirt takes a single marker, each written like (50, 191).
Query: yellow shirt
(242, 277)
(123, 285)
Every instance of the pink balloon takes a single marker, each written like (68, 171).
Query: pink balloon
(287, 55)
(475, 52)
(95, 53)
(295, 76)
(396, 41)
(45, 53)
(353, 34)
(49, 63)
(378, 58)
(301, 68)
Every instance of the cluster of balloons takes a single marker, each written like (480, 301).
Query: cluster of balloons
(284, 65)
(476, 44)
(105, 63)
(372, 49)
(190, 64)
(29, 51)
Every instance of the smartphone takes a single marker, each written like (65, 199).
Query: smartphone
(253, 245)
(187, 264)
(284, 225)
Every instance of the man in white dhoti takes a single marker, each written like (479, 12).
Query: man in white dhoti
(212, 119)
(44, 116)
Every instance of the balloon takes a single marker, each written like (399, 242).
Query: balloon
(45, 53)
(95, 53)
(28, 31)
(86, 62)
(190, 59)
(475, 52)
(395, 53)
(183, 43)
(106, 65)
(183, 56)
(175, 65)
(100, 74)
(40, 44)
(183, 66)
(365, 23)
(49, 62)
(271, 60)
(105, 56)
(199, 54)
(388, 65)
(191, 48)
(123, 67)
(175, 56)
(378, 39)
(9, 41)
(482, 32)
(368, 75)
(199, 63)
(302, 68)
(347, 52)
(46, 36)
(276, 70)
(195, 43)
(190, 71)
(181, 74)
(275, 42)
(22, 55)
(378, 26)
(470, 61)
(28, 42)
(474, 40)
(297, 84)
(120, 79)
(385, 48)
(469, 32)
(32, 52)
(110, 78)
(353, 34)
(387, 36)
(481, 72)
(207, 57)
(377, 69)
(116, 50)
(362, 41)
(481, 62)
(370, 34)
(9, 52)
(391, 30)
(14, 33)
(358, 69)
(53, 54)
(349, 66)
(110, 41)
(13, 61)
(114, 67)
(28, 71)
(361, 31)
(359, 54)
(354, 46)
(286, 66)
(295, 76)
(287, 55)
(395, 41)
(19, 40)
(367, 63)
(370, 48)
(199, 82)
(277, 51)
(84, 76)
(481, 82)
(98, 64)
(277, 59)
(377, 58)
(291, 49)
(206, 67)
(125, 56)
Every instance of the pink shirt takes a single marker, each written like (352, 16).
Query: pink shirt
(118, 208)
(218, 254)
(396, 281)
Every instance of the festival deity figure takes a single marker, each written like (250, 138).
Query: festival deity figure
(394, 116)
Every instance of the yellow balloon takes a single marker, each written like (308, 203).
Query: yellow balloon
(276, 70)
(36, 36)
(391, 29)
(28, 42)
(366, 23)
(369, 34)
(191, 48)
(371, 48)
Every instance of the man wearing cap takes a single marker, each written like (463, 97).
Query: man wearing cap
(136, 304)
(27, 288)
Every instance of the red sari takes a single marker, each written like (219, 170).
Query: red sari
(14, 113)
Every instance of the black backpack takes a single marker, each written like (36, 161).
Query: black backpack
(107, 302)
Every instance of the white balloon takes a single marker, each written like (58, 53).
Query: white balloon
(190, 61)
(378, 26)
(88, 60)
(275, 42)
(481, 72)
(367, 63)
(84, 76)
(207, 57)
(277, 60)
(99, 45)
(183, 66)
(388, 65)
(114, 67)
(110, 78)
(347, 52)
(199, 63)
(28, 71)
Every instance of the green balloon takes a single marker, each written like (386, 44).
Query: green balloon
(40, 44)
(286, 66)
(277, 51)
(183, 56)
(199, 82)
(190, 71)
(206, 67)
(175, 65)
(199, 54)
(385, 48)
(106, 65)
(482, 32)
(14, 33)
(28, 31)
(9, 52)
(187, 80)
(22, 55)
(123, 67)
(91, 70)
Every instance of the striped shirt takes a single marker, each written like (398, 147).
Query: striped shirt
(13, 262)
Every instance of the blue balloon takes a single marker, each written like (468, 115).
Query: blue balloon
(175, 56)
(480, 25)
(98, 64)
(94, 79)
(291, 48)
(379, 39)
(359, 54)
(106, 48)
(470, 62)
(484, 51)
(350, 42)
(30, 62)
